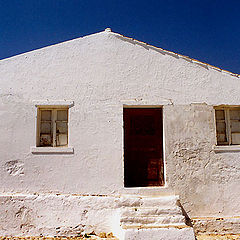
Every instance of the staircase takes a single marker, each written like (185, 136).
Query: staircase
(154, 218)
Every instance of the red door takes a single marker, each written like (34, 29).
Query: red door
(143, 148)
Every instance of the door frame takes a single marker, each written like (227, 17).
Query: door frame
(163, 146)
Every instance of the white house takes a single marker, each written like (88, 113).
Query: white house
(108, 133)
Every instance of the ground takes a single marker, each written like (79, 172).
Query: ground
(94, 237)
(56, 238)
(219, 237)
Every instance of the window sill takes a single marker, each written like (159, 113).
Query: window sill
(52, 150)
(232, 148)
(54, 103)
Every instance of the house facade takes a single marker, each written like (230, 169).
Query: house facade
(107, 133)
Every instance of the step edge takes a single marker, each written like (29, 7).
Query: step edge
(180, 226)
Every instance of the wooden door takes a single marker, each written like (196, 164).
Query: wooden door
(143, 147)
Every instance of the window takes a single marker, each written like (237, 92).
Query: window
(52, 127)
(228, 125)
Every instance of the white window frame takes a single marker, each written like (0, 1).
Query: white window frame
(53, 121)
(229, 147)
(51, 105)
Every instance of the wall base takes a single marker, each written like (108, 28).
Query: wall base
(217, 225)
(127, 217)
(160, 234)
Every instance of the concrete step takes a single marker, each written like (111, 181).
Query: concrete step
(155, 218)
(186, 233)
(162, 201)
(150, 211)
(167, 201)
(152, 220)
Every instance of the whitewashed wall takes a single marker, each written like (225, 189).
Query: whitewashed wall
(101, 73)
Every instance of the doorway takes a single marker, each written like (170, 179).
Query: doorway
(143, 147)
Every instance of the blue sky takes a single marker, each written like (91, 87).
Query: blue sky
(208, 30)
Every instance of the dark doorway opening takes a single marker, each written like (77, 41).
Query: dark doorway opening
(143, 147)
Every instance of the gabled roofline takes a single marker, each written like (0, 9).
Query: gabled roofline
(48, 46)
(145, 45)
(176, 55)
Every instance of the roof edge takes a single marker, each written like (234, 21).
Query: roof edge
(48, 46)
(146, 45)
(176, 55)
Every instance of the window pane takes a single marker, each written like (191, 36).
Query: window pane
(234, 114)
(62, 139)
(62, 115)
(235, 126)
(46, 115)
(221, 138)
(220, 114)
(45, 140)
(221, 127)
(62, 127)
(235, 138)
(45, 127)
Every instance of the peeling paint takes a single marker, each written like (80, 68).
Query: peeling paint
(14, 167)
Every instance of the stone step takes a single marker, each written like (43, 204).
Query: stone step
(153, 220)
(168, 201)
(150, 211)
(160, 234)
(163, 201)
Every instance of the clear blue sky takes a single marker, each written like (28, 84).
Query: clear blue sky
(208, 30)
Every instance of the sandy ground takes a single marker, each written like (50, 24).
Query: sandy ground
(87, 237)
(219, 237)
(199, 237)
(56, 238)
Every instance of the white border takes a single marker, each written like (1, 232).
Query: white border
(56, 103)
(228, 148)
(52, 150)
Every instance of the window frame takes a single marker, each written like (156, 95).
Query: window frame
(228, 147)
(54, 120)
(51, 105)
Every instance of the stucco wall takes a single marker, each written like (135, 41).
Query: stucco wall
(207, 182)
(32, 215)
(102, 73)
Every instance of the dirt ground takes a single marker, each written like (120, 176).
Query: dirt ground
(89, 237)
(57, 238)
(219, 237)
(94, 237)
